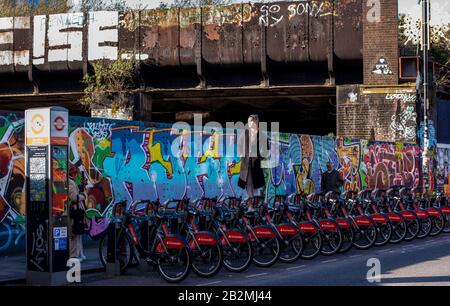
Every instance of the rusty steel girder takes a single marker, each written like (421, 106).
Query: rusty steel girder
(236, 34)
(284, 32)
(185, 43)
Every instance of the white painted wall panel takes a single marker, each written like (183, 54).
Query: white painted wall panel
(39, 39)
(98, 35)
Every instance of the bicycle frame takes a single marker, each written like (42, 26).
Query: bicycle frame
(163, 240)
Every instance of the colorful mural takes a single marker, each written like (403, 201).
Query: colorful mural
(131, 161)
(12, 181)
(442, 162)
(391, 164)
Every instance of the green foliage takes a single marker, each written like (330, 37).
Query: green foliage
(11, 8)
(104, 5)
(43, 7)
(110, 84)
(192, 3)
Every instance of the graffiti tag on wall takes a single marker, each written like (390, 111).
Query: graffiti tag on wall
(443, 168)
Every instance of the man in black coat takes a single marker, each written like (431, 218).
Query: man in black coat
(331, 179)
(251, 176)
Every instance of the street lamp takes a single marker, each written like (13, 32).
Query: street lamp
(425, 47)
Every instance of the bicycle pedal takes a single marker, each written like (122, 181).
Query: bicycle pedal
(148, 260)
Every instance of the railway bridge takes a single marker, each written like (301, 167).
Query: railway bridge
(311, 65)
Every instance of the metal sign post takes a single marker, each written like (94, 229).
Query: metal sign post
(46, 159)
(425, 49)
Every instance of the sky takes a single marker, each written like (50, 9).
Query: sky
(440, 10)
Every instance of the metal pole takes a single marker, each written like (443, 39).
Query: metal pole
(425, 48)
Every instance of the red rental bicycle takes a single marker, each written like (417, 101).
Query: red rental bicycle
(363, 227)
(288, 233)
(205, 246)
(379, 204)
(166, 252)
(435, 214)
(383, 224)
(236, 244)
(266, 246)
(311, 232)
(329, 228)
(411, 201)
(334, 208)
(412, 220)
(441, 202)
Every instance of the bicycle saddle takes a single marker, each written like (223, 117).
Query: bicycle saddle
(256, 201)
(378, 192)
(364, 193)
(314, 197)
(349, 194)
(295, 198)
(313, 205)
(391, 192)
(231, 202)
(405, 191)
(417, 192)
(143, 207)
(173, 208)
(276, 202)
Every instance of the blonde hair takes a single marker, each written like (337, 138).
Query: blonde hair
(254, 118)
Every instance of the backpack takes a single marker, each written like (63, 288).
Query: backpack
(79, 225)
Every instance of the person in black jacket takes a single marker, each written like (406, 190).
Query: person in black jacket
(77, 196)
(331, 180)
(251, 176)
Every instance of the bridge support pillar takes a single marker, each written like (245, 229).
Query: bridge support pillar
(143, 107)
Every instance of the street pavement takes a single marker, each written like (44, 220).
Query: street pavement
(12, 268)
(420, 262)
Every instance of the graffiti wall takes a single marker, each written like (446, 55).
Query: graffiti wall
(131, 161)
(442, 162)
(362, 165)
(12, 180)
(377, 114)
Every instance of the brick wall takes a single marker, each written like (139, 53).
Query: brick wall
(380, 42)
(378, 114)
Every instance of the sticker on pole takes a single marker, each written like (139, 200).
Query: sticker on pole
(60, 232)
(59, 123)
(59, 127)
(37, 127)
(60, 244)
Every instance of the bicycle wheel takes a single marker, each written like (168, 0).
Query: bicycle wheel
(312, 245)
(124, 250)
(174, 265)
(207, 260)
(384, 233)
(348, 238)
(238, 256)
(332, 240)
(399, 231)
(292, 248)
(425, 227)
(267, 251)
(438, 224)
(413, 229)
(447, 223)
(365, 237)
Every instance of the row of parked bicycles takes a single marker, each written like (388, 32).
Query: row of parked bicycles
(206, 234)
